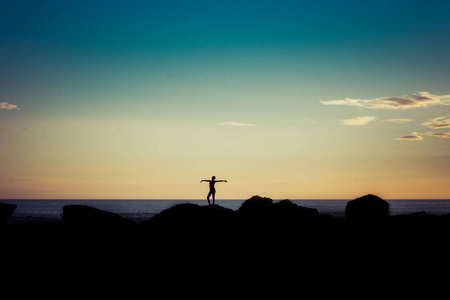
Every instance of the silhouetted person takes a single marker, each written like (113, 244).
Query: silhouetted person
(212, 190)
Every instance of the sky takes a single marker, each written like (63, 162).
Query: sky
(284, 99)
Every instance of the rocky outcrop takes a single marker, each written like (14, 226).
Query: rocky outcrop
(261, 217)
(256, 204)
(260, 234)
(368, 208)
(192, 218)
(5, 211)
(264, 209)
(81, 216)
(286, 207)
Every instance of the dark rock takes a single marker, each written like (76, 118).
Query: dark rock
(256, 205)
(5, 211)
(421, 221)
(286, 205)
(287, 209)
(256, 217)
(260, 206)
(260, 217)
(188, 217)
(366, 209)
(86, 216)
(191, 227)
(308, 212)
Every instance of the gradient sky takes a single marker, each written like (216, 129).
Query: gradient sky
(285, 99)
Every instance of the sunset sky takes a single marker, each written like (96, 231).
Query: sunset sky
(296, 99)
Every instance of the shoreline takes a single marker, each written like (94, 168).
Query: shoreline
(29, 211)
(261, 237)
(232, 213)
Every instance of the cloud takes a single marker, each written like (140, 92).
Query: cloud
(357, 121)
(436, 123)
(421, 99)
(415, 136)
(8, 106)
(235, 124)
(398, 121)
(442, 135)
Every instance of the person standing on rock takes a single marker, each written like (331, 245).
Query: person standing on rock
(212, 189)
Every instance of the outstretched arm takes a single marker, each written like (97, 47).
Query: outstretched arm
(221, 181)
(205, 180)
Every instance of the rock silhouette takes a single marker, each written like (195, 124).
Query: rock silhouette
(255, 212)
(368, 208)
(5, 211)
(260, 213)
(255, 205)
(191, 218)
(262, 218)
(81, 216)
(261, 235)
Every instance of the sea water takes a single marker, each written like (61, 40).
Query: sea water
(50, 211)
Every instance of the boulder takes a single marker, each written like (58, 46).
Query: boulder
(187, 216)
(86, 216)
(256, 205)
(283, 209)
(288, 209)
(367, 208)
(259, 215)
(5, 211)
(286, 205)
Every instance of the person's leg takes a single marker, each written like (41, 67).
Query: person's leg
(209, 195)
(214, 196)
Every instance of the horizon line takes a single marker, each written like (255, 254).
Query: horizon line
(217, 200)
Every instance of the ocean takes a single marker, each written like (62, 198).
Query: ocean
(50, 211)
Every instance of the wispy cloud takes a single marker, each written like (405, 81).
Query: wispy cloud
(421, 99)
(436, 123)
(398, 121)
(415, 136)
(357, 121)
(235, 124)
(442, 135)
(8, 106)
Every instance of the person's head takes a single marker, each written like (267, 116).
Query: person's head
(213, 178)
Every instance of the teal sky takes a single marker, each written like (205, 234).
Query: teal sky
(134, 99)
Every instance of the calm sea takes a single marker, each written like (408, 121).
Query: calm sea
(140, 210)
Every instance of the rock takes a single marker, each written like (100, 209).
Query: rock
(286, 209)
(367, 208)
(283, 209)
(86, 216)
(286, 204)
(303, 212)
(189, 216)
(256, 217)
(5, 211)
(256, 205)
(261, 217)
